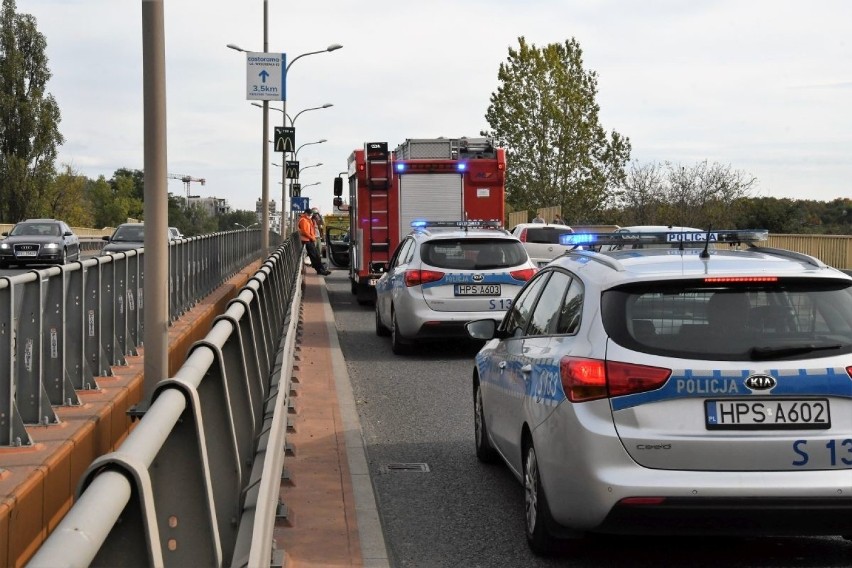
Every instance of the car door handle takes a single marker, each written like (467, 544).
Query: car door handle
(501, 365)
(526, 369)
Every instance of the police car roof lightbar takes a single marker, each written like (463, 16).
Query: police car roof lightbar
(457, 224)
(673, 238)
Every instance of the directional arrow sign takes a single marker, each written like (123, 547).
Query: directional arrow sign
(265, 76)
(300, 203)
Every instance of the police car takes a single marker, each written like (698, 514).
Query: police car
(445, 274)
(685, 389)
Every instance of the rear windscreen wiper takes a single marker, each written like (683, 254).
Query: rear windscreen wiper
(767, 352)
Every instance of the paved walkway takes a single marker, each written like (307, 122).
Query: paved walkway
(332, 517)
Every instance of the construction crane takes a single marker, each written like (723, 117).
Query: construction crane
(186, 181)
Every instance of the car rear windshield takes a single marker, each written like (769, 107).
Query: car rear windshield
(787, 319)
(545, 235)
(473, 254)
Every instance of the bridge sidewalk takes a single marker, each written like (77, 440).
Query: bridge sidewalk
(332, 518)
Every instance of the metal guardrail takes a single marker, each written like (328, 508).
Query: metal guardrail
(62, 327)
(196, 482)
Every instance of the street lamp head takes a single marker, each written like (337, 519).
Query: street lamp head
(321, 141)
(235, 47)
(326, 105)
(334, 47)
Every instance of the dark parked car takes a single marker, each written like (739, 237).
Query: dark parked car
(128, 236)
(39, 241)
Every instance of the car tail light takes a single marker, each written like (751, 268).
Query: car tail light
(418, 277)
(591, 379)
(524, 274)
(626, 378)
(583, 379)
(739, 279)
(523, 236)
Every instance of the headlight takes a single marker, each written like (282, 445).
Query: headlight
(51, 246)
(4, 246)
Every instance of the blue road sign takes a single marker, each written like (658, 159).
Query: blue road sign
(300, 203)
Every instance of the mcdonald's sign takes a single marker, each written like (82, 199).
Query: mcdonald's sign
(292, 169)
(285, 139)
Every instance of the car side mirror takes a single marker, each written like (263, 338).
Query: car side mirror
(481, 329)
(67, 234)
(106, 238)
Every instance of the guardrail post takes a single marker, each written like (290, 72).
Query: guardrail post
(92, 299)
(57, 381)
(135, 539)
(33, 402)
(183, 486)
(76, 327)
(12, 430)
(109, 296)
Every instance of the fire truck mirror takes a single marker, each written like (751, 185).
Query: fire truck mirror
(338, 187)
(338, 201)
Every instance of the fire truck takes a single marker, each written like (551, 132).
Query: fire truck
(446, 179)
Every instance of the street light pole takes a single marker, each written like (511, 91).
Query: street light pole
(296, 159)
(330, 48)
(264, 184)
(292, 121)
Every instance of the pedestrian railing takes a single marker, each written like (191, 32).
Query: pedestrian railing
(196, 481)
(64, 326)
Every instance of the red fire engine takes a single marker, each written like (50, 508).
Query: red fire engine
(446, 179)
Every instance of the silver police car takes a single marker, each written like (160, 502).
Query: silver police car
(445, 274)
(673, 390)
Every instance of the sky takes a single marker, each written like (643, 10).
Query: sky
(763, 86)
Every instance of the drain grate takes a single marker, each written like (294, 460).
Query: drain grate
(414, 467)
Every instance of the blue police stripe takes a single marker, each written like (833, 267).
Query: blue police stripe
(685, 383)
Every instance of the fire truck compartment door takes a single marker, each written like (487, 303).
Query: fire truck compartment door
(429, 197)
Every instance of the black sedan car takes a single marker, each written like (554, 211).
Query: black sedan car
(39, 241)
(127, 236)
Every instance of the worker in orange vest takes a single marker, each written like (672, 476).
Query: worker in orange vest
(308, 235)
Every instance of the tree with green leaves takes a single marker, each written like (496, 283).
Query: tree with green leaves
(66, 198)
(29, 118)
(545, 114)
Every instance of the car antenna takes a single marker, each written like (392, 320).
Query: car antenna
(704, 253)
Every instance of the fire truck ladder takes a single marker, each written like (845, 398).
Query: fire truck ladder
(378, 182)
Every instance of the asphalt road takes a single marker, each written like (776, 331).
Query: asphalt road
(417, 409)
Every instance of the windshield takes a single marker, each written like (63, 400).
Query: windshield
(129, 234)
(36, 229)
(473, 254)
(793, 318)
(544, 235)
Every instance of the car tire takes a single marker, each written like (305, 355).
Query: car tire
(63, 259)
(536, 510)
(4, 265)
(485, 452)
(381, 330)
(398, 344)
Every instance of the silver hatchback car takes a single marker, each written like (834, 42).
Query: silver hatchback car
(674, 390)
(445, 274)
